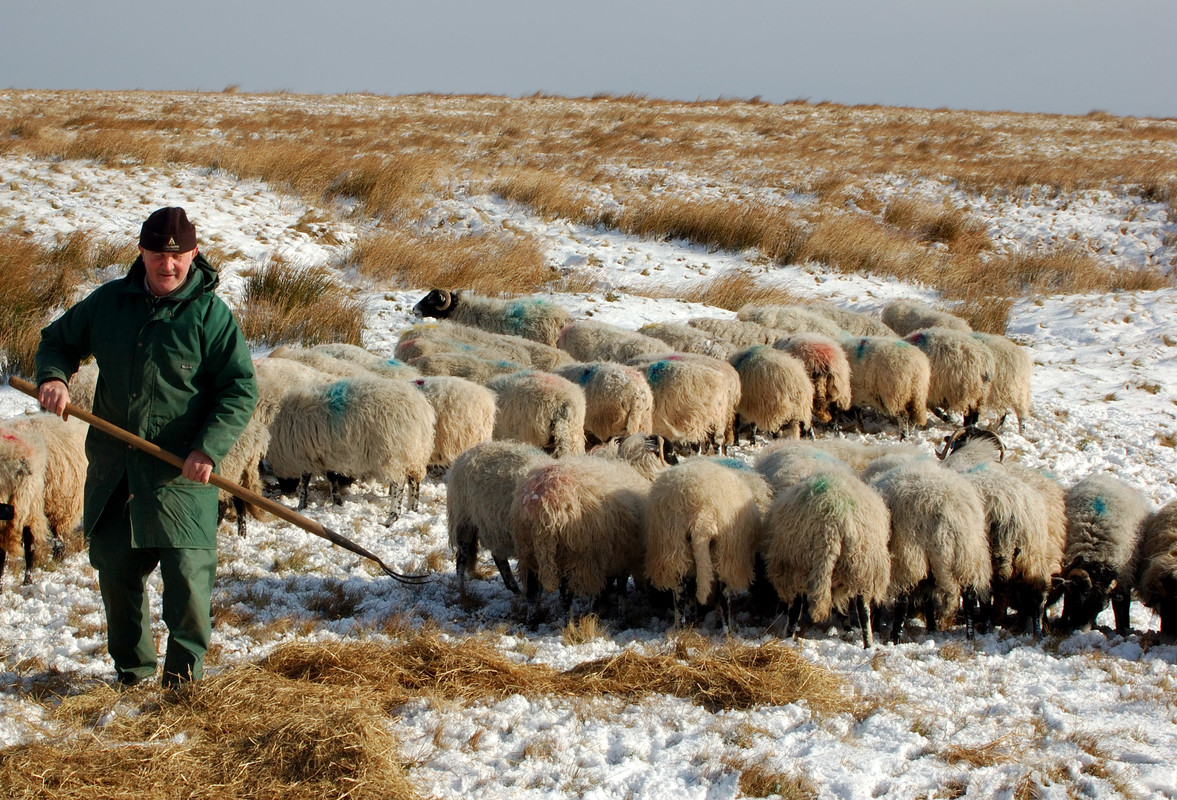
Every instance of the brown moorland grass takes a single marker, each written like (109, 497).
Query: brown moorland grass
(731, 289)
(36, 280)
(312, 720)
(285, 304)
(486, 263)
(386, 154)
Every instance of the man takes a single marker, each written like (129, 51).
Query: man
(175, 370)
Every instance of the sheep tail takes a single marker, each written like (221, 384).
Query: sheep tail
(704, 568)
(819, 588)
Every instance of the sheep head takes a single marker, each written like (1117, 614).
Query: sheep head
(438, 303)
(962, 436)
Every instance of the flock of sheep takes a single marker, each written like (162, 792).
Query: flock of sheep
(562, 439)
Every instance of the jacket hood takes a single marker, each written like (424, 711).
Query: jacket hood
(202, 277)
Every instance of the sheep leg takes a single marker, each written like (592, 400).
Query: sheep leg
(863, 610)
(333, 479)
(972, 416)
(30, 555)
(239, 507)
(1121, 603)
(505, 570)
(413, 487)
(900, 618)
(395, 492)
(3, 558)
(531, 581)
(796, 608)
(930, 612)
(968, 609)
(304, 485)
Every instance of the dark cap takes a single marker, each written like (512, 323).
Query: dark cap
(168, 231)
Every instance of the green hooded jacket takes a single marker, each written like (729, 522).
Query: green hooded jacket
(175, 371)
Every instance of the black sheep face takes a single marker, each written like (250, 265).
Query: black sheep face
(438, 304)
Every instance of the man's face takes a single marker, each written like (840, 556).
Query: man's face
(166, 272)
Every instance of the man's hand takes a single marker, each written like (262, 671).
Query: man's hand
(53, 396)
(198, 467)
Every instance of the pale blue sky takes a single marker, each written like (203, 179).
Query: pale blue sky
(1057, 56)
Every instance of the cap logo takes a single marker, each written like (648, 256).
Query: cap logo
(171, 245)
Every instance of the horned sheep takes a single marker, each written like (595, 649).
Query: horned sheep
(364, 428)
(542, 409)
(1104, 516)
(42, 473)
(531, 318)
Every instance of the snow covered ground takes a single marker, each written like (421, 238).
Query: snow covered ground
(1090, 715)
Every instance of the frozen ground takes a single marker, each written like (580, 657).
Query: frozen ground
(1087, 715)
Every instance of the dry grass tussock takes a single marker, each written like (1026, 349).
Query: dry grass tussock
(487, 263)
(284, 304)
(37, 280)
(780, 176)
(759, 780)
(731, 289)
(312, 720)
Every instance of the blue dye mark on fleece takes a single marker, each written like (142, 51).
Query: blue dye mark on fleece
(744, 356)
(656, 372)
(918, 339)
(1099, 506)
(586, 375)
(733, 463)
(395, 362)
(860, 351)
(338, 396)
(517, 314)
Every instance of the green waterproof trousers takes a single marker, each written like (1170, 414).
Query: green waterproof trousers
(187, 575)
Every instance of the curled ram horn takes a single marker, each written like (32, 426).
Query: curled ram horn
(444, 299)
(962, 435)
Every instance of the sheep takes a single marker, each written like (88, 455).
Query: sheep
(790, 319)
(703, 522)
(682, 338)
(618, 400)
(378, 365)
(589, 340)
(276, 377)
(1023, 545)
(241, 465)
(859, 455)
(775, 391)
(905, 316)
(479, 495)
(695, 399)
(891, 377)
(42, 474)
(1104, 516)
(464, 365)
(854, 323)
(541, 409)
(962, 371)
(785, 464)
(464, 412)
(1154, 566)
(441, 336)
(578, 526)
(825, 545)
(734, 332)
(324, 363)
(531, 318)
(649, 454)
(365, 428)
(82, 386)
(939, 541)
(829, 371)
(1010, 378)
